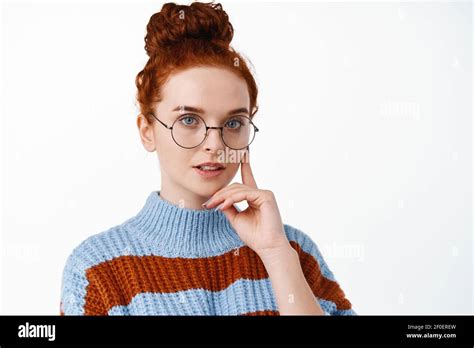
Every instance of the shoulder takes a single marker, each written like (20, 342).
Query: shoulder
(307, 248)
(92, 251)
(97, 248)
(74, 282)
(297, 236)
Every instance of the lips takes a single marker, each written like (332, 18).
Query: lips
(208, 173)
(210, 166)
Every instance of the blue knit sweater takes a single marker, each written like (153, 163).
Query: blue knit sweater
(169, 260)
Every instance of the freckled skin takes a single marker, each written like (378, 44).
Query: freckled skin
(217, 91)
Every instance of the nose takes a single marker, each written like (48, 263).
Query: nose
(213, 140)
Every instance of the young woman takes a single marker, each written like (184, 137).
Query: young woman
(190, 250)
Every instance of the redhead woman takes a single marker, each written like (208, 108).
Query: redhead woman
(190, 250)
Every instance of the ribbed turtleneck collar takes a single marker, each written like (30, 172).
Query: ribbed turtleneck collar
(183, 231)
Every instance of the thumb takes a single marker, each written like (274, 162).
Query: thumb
(230, 213)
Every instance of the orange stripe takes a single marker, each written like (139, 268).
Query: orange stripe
(124, 277)
(266, 312)
(117, 281)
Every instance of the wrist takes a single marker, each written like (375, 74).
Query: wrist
(278, 256)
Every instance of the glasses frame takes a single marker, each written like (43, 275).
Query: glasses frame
(207, 129)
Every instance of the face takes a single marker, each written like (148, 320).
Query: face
(217, 92)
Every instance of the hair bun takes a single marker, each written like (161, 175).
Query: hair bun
(177, 23)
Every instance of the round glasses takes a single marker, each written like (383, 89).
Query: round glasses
(190, 131)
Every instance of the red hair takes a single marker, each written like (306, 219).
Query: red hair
(183, 36)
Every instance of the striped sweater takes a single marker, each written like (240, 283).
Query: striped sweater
(170, 260)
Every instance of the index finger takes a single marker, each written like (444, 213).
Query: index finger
(246, 171)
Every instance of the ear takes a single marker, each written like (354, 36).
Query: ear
(147, 135)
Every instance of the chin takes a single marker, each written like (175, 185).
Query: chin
(207, 188)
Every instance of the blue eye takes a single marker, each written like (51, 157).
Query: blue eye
(234, 124)
(188, 120)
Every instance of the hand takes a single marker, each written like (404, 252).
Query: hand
(259, 226)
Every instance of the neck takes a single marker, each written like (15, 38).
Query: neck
(178, 231)
(180, 196)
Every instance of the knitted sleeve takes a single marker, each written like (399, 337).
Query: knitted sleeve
(321, 279)
(77, 289)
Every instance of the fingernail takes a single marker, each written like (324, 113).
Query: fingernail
(204, 204)
(219, 206)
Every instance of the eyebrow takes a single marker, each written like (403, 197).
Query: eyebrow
(201, 111)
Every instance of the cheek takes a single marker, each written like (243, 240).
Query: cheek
(232, 170)
(173, 159)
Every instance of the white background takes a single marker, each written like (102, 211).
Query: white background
(366, 140)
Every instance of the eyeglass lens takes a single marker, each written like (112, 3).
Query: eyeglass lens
(190, 131)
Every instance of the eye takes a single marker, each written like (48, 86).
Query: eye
(189, 121)
(233, 124)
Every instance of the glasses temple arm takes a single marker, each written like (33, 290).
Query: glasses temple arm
(160, 121)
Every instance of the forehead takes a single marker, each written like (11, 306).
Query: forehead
(216, 90)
